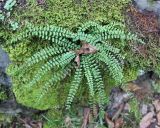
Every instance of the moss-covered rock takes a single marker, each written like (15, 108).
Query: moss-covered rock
(5, 120)
(69, 13)
(53, 119)
(29, 96)
(56, 96)
(3, 95)
(64, 13)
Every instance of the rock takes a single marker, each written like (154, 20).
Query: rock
(41, 2)
(5, 79)
(4, 62)
(156, 104)
(22, 3)
(146, 5)
(143, 109)
(118, 96)
(158, 118)
(146, 120)
(143, 88)
(12, 108)
(9, 107)
(2, 3)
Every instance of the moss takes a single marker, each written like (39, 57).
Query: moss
(53, 119)
(138, 62)
(142, 57)
(64, 13)
(3, 95)
(5, 120)
(130, 74)
(28, 96)
(68, 14)
(134, 110)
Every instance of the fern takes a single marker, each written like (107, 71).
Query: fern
(58, 61)
(8, 7)
(5, 14)
(9, 4)
(45, 54)
(60, 75)
(86, 51)
(98, 81)
(89, 76)
(74, 86)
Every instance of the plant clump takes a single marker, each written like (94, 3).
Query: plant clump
(86, 53)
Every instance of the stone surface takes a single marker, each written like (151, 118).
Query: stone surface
(4, 62)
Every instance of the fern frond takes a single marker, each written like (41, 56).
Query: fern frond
(88, 38)
(99, 84)
(46, 32)
(98, 81)
(45, 54)
(88, 27)
(60, 75)
(9, 4)
(89, 76)
(116, 25)
(74, 87)
(106, 47)
(58, 61)
(111, 32)
(63, 42)
(112, 64)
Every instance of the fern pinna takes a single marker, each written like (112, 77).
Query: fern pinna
(84, 53)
